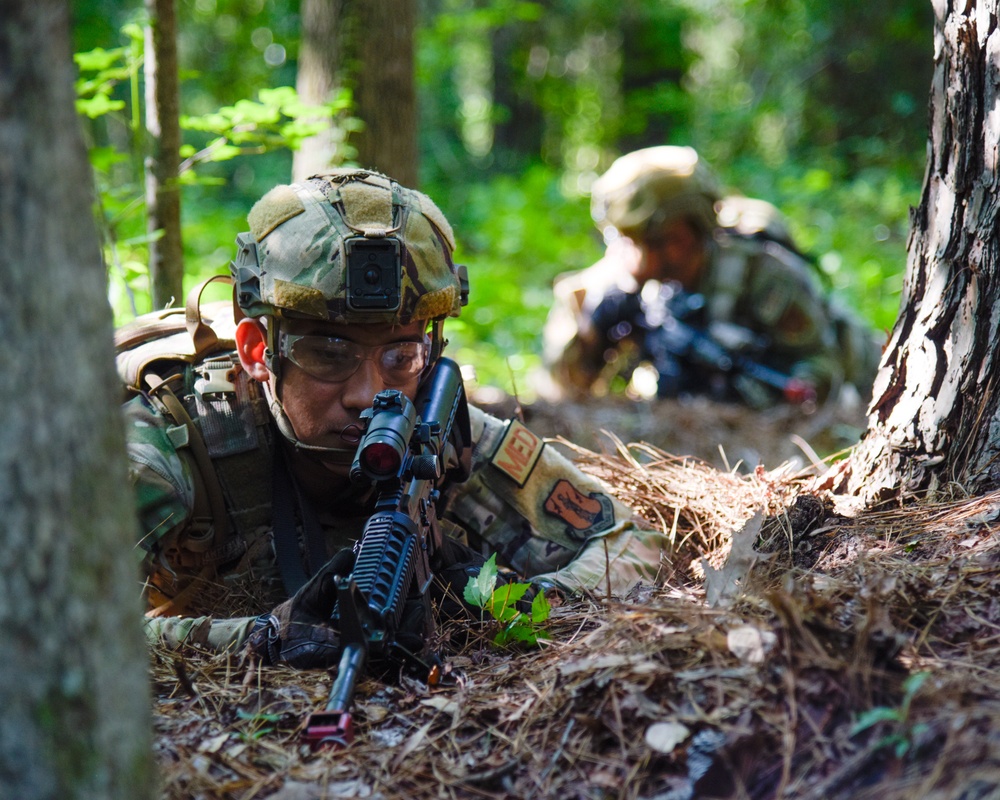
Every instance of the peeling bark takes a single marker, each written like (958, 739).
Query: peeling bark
(933, 423)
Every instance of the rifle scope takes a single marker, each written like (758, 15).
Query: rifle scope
(382, 449)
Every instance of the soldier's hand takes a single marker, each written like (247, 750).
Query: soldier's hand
(616, 315)
(299, 632)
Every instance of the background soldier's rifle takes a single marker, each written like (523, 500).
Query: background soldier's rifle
(720, 360)
(406, 452)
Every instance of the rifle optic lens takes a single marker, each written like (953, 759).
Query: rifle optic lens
(381, 459)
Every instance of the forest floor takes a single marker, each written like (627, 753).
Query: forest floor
(790, 650)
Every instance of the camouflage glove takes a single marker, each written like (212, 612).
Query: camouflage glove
(412, 633)
(299, 632)
(453, 565)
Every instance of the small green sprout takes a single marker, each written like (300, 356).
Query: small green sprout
(904, 733)
(258, 725)
(501, 603)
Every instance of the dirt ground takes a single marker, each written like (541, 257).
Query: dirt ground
(788, 651)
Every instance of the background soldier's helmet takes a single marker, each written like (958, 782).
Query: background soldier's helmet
(645, 189)
(348, 246)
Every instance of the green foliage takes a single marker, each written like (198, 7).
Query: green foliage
(256, 724)
(902, 732)
(500, 603)
(854, 225)
(108, 95)
(277, 120)
(522, 104)
(518, 123)
(513, 253)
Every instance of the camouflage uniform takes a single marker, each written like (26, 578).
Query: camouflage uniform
(525, 501)
(753, 278)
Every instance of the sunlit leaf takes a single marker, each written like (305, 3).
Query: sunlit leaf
(98, 58)
(98, 106)
(540, 608)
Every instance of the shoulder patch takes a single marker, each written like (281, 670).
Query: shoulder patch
(518, 452)
(583, 514)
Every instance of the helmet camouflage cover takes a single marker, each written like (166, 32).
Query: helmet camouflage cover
(348, 246)
(645, 189)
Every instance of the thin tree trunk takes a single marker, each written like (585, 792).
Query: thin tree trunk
(385, 94)
(934, 422)
(74, 692)
(163, 197)
(316, 80)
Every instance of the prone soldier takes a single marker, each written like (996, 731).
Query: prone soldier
(241, 462)
(675, 242)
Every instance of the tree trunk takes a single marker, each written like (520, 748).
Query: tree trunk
(385, 92)
(318, 74)
(934, 422)
(518, 132)
(163, 195)
(74, 693)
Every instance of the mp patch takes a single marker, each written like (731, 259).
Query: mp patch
(583, 514)
(518, 452)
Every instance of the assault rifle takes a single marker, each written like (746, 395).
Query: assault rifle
(406, 451)
(721, 360)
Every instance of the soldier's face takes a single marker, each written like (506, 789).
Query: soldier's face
(675, 253)
(327, 412)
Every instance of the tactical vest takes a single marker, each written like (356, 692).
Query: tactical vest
(185, 362)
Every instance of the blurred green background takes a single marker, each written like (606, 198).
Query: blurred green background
(819, 107)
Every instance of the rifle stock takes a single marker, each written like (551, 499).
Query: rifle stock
(407, 450)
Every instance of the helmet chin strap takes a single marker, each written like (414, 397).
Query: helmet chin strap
(338, 456)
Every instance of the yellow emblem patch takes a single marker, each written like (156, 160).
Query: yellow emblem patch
(518, 452)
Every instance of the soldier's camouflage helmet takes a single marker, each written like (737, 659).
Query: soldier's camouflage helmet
(647, 188)
(348, 246)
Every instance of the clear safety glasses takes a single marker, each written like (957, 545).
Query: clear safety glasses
(333, 360)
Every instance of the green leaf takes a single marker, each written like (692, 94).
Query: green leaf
(257, 716)
(98, 59)
(506, 596)
(540, 608)
(873, 716)
(103, 158)
(520, 632)
(912, 685)
(223, 153)
(98, 106)
(479, 589)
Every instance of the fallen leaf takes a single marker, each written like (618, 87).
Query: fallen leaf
(416, 739)
(445, 704)
(723, 585)
(373, 711)
(663, 737)
(214, 744)
(520, 710)
(750, 644)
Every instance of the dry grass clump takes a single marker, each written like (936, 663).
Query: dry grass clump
(663, 694)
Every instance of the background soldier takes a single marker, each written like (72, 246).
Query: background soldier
(279, 420)
(710, 290)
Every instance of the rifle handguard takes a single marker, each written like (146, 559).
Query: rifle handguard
(384, 567)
